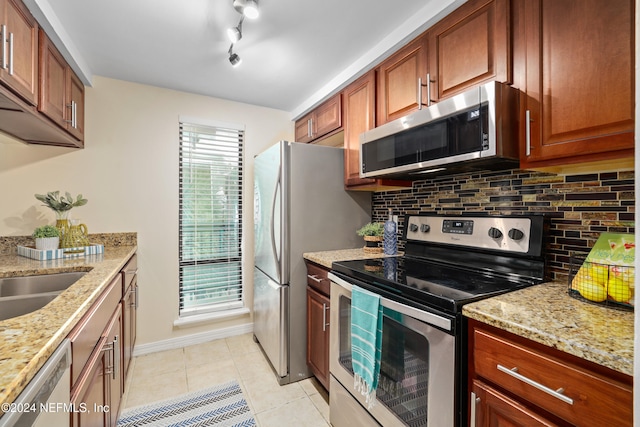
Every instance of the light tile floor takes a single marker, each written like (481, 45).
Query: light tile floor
(170, 373)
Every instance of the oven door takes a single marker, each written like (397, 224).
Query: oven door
(417, 372)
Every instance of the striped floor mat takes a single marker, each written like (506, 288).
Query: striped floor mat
(222, 405)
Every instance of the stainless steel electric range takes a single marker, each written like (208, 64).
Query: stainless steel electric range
(448, 262)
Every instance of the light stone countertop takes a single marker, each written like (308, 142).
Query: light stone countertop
(26, 342)
(548, 315)
(325, 258)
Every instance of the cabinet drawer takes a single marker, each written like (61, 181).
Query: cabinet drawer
(128, 272)
(89, 330)
(318, 278)
(572, 393)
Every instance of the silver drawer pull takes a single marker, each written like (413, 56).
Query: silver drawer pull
(555, 393)
(314, 278)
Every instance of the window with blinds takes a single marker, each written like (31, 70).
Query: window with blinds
(210, 218)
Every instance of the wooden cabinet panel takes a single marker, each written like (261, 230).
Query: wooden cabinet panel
(526, 372)
(470, 46)
(113, 369)
(318, 278)
(61, 91)
(579, 79)
(53, 72)
(494, 409)
(87, 332)
(397, 88)
(91, 392)
(21, 72)
(359, 116)
(318, 335)
(129, 325)
(321, 121)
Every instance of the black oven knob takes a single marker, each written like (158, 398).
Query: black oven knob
(413, 228)
(425, 228)
(494, 233)
(515, 234)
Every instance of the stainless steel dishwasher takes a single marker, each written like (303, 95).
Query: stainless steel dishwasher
(45, 402)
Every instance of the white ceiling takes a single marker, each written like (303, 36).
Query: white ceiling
(294, 54)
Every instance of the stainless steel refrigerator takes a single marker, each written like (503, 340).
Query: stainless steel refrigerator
(300, 205)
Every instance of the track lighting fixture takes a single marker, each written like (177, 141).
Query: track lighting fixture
(248, 9)
(234, 59)
(235, 33)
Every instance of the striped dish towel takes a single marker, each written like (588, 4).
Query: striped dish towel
(366, 342)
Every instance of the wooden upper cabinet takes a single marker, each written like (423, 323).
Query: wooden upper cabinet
(401, 79)
(321, 121)
(579, 57)
(19, 53)
(61, 91)
(359, 116)
(470, 46)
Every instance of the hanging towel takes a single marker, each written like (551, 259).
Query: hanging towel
(366, 342)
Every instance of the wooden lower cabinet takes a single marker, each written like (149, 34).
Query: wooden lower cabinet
(523, 383)
(101, 347)
(318, 335)
(318, 328)
(492, 408)
(91, 392)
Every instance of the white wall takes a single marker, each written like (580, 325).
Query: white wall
(129, 173)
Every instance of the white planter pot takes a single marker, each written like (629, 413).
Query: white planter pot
(47, 243)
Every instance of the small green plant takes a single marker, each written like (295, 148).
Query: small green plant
(46, 231)
(59, 203)
(372, 229)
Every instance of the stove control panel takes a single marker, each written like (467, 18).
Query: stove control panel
(486, 232)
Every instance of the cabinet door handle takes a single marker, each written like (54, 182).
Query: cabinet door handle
(527, 132)
(419, 100)
(314, 278)
(325, 307)
(74, 114)
(474, 402)
(3, 34)
(11, 54)
(428, 90)
(555, 393)
(116, 357)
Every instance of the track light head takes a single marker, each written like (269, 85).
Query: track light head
(234, 59)
(235, 33)
(251, 10)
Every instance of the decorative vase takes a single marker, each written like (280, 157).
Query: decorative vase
(62, 221)
(47, 243)
(75, 236)
(372, 244)
(390, 240)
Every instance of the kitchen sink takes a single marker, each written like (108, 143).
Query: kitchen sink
(23, 304)
(29, 285)
(22, 295)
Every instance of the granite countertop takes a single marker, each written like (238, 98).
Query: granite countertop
(548, 315)
(325, 258)
(26, 342)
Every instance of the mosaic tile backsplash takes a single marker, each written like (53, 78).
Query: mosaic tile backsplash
(580, 207)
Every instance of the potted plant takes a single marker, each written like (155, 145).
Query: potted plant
(47, 237)
(61, 205)
(372, 234)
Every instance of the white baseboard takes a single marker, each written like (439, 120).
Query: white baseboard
(188, 340)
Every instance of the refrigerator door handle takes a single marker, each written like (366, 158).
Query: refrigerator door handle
(272, 225)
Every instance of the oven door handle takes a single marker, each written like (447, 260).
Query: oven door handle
(425, 316)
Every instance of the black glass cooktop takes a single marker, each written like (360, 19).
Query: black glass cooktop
(436, 284)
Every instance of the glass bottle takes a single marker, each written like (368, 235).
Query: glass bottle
(390, 241)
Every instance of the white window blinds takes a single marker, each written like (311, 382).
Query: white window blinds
(210, 220)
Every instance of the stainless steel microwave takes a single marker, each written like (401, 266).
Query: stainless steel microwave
(475, 130)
